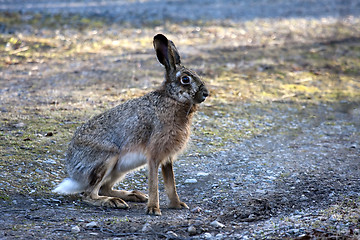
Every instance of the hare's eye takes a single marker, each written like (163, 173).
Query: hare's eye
(185, 80)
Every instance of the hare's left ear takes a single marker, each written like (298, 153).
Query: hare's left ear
(166, 52)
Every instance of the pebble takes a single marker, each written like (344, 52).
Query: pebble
(19, 125)
(192, 230)
(91, 225)
(146, 227)
(303, 198)
(219, 236)
(196, 210)
(202, 174)
(55, 200)
(261, 191)
(50, 161)
(190, 180)
(217, 224)
(75, 229)
(207, 235)
(171, 234)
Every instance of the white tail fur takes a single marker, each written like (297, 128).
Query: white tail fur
(69, 186)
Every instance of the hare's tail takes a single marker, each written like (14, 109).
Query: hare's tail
(69, 186)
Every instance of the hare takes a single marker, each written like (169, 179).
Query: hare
(150, 130)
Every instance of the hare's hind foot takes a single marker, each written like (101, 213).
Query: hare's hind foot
(104, 201)
(136, 196)
(132, 196)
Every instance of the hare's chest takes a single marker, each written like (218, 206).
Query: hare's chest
(176, 140)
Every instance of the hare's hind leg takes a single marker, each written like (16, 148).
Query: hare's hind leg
(126, 163)
(98, 177)
(132, 196)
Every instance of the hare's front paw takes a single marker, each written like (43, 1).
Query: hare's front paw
(178, 205)
(153, 211)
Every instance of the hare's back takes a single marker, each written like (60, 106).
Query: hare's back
(121, 125)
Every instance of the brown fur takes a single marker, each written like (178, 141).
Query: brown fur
(150, 130)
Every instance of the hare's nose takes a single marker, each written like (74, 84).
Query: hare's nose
(201, 94)
(205, 93)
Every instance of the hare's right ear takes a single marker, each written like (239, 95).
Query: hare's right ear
(166, 52)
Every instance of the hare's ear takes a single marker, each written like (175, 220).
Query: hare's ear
(166, 52)
(174, 53)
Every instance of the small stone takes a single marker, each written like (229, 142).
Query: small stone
(192, 230)
(171, 234)
(219, 236)
(303, 236)
(49, 134)
(75, 229)
(55, 200)
(217, 224)
(303, 198)
(207, 235)
(196, 210)
(92, 225)
(146, 227)
(190, 180)
(50, 161)
(19, 125)
(261, 191)
(272, 178)
(202, 174)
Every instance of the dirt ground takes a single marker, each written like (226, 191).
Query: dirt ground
(275, 149)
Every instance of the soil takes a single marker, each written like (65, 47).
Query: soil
(275, 150)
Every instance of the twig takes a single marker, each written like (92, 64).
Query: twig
(61, 230)
(13, 210)
(23, 49)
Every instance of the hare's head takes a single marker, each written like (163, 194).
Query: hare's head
(181, 83)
